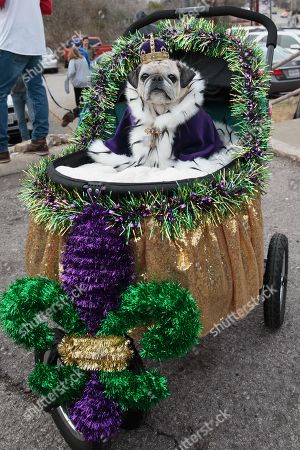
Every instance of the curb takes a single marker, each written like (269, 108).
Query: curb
(285, 150)
(20, 162)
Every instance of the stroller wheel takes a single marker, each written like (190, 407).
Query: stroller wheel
(275, 280)
(61, 414)
(75, 440)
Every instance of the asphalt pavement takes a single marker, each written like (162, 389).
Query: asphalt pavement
(243, 384)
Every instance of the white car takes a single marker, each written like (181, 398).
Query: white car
(13, 126)
(50, 61)
(286, 39)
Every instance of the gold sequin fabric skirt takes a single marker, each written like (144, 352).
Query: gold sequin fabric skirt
(221, 265)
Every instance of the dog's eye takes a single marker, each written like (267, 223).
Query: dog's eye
(173, 78)
(144, 77)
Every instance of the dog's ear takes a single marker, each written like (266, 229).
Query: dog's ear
(186, 74)
(133, 77)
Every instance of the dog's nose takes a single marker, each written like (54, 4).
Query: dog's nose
(157, 78)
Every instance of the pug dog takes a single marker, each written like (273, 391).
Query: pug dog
(164, 108)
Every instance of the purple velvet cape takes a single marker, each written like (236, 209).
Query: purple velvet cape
(198, 137)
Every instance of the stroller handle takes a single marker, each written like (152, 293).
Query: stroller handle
(209, 11)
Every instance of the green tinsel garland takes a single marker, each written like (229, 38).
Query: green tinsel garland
(21, 309)
(176, 328)
(171, 309)
(59, 384)
(137, 391)
(56, 207)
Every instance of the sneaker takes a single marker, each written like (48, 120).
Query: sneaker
(38, 147)
(4, 157)
(68, 118)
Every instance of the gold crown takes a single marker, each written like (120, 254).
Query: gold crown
(153, 55)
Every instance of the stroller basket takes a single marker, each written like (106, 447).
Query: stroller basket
(79, 158)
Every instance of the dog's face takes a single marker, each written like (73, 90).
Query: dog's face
(161, 82)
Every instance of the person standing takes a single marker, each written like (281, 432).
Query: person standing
(86, 45)
(21, 100)
(22, 42)
(82, 50)
(79, 75)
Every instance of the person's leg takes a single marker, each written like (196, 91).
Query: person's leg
(11, 67)
(29, 108)
(30, 114)
(19, 101)
(78, 92)
(80, 97)
(33, 78)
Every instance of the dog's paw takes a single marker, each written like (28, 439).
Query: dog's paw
(103, 155)
(98, 152)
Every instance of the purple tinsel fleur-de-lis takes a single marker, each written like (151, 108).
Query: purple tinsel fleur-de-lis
(97, 268)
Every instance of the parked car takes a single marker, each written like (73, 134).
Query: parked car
(288, 39)
(13, 127)
(285, 78)
(95, 42)
(50, 61)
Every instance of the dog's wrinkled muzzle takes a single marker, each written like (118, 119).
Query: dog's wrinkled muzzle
(157, 83)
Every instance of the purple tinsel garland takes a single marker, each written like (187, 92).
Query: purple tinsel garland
(96, 260)
(94, 415)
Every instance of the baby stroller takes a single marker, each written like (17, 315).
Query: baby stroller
(111, 261)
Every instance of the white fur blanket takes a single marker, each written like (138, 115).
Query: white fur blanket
(143, 174)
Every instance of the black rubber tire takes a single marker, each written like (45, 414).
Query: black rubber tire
(276, 277)
(73, 442)
(132, 418)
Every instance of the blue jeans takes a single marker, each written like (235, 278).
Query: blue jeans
(11, 67)
(20, 101)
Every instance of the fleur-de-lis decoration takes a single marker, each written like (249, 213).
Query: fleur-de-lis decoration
(103, 358)
(94, 348)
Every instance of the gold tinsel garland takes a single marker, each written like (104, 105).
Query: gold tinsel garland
(101, 353)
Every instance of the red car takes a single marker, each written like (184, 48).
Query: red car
(95, 43)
